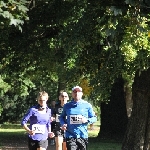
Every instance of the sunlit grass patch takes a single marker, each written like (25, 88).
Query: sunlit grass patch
(10, 126)
(11, 130)
(7, 134)
(93, 133)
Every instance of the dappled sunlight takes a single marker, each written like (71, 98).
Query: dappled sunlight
(12, 130)
(95, 129)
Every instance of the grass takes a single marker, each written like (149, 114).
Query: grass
(104, 146)
(11, 135)
(10, 126)
(99, 144)
(9, 132)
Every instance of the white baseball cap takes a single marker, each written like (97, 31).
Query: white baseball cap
(77, 88)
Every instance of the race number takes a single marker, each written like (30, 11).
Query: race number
(60, 110)
(57, 117)
(76, 119)
(38, 128)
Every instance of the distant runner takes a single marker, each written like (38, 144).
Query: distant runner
(59, 133)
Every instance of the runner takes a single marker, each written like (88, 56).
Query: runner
(40, 128)
(79, 113)
(53, 121)
(59, 134)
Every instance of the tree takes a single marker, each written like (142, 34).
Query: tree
(12, 14)
(100, 41)
(138, 129)
(44, 66)
(123, 31)
(114, 114)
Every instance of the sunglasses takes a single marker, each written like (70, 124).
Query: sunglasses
(64, 96)
(76, 91)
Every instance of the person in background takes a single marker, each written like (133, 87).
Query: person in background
(59, 133)
(79, 113)
(53, 121)
(40, 127)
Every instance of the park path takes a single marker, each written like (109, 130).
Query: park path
(23, 148)
(20, 143)
(20, 146)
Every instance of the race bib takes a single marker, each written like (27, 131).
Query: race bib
(57, 117)
(60, 110)
(38, 128)
(76, 119)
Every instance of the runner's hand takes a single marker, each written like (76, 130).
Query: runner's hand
(84, 120)
(51, 134)
(31, 132)
(64, 127)
(53, 119)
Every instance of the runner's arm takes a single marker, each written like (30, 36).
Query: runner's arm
(62, 117)
(25, 120)
(91, 115)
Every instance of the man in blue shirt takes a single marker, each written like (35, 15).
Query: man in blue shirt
(78, 113)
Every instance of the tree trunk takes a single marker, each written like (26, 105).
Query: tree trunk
(137, 136)
(61, 85)
(114, 115)
(128, 99)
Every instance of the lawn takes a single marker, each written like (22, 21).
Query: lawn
(104, 146)
(99, 144)
(15, 133)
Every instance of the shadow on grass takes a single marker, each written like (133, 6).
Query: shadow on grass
(12, 137)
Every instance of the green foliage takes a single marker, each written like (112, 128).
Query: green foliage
(13, 13)
(64, 41)
(4, 86)
(1, 109)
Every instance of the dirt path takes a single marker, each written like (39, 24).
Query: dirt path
(23, 148)
(13, 145)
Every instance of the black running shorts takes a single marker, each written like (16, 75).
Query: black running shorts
(34, 144)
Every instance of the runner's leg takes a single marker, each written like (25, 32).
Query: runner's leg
(71, 144)
(41, 148)
(59, 142)
(64, 145)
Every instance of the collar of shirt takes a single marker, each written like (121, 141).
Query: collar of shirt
(41, 107)
(76, 102)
